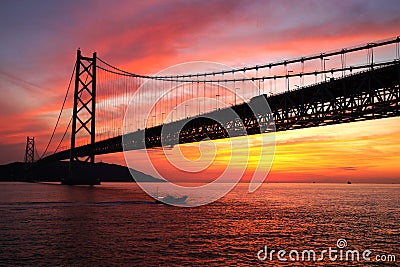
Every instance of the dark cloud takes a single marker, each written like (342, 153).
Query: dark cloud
(348, 168)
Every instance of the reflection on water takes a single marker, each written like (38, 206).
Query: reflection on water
(117, 224)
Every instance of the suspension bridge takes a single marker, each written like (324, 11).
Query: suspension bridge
(341, 86)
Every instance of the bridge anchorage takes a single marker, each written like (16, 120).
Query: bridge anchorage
(367, 89)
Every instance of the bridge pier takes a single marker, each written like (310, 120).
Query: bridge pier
(79, 175)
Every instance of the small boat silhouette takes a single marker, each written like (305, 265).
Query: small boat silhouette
(174, 200)
(348, 182)
(171, 200)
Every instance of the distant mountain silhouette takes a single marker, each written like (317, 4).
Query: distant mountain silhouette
(56, 171)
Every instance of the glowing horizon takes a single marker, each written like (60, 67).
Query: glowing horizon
(319, 154)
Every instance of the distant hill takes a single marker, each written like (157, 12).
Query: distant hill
(56, 171)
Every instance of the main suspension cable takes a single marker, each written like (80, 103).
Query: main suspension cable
(59, 115)
(368, 46)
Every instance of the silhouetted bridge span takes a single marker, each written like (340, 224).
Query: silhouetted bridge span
(371, 94)
(170, 109)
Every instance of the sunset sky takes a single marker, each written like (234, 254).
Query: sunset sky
(39, 40)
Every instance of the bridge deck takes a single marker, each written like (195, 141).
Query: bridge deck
(367, 95)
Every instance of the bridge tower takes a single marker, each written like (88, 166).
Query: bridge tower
(83, 120)
(30, 150)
